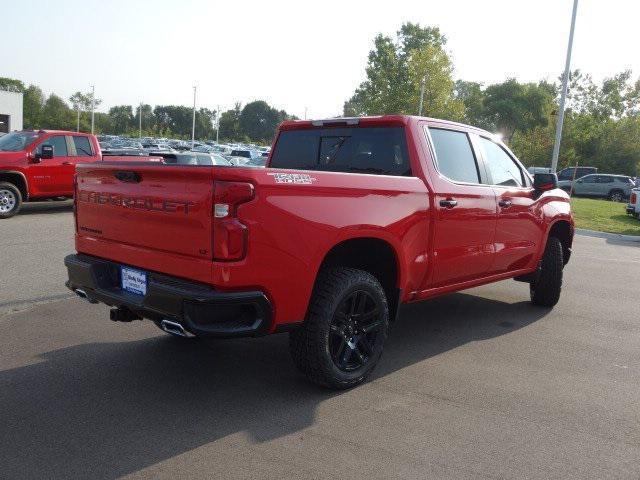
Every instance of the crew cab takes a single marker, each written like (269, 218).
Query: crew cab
(40, 164)
(351, 218)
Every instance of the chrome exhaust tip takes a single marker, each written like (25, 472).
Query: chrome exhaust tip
(174, 328)
(83, 295)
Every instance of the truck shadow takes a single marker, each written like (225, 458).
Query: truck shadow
(32, 208)
(104, 410)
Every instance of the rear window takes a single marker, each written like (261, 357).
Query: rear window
(454, 155)
(83, 147)
(378, 150)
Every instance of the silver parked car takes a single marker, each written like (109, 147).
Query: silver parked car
(614, 187)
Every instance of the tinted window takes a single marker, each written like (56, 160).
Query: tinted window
(625, 180)
(59, 144)
(241, 153)
(16, 141)
(589, 179)
(502, 169)
(83, 147)
(604, 179)
(378, 150)
(454, 155)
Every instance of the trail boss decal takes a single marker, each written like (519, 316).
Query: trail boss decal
(299, 178)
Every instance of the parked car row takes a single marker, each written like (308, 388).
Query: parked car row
(238, 154)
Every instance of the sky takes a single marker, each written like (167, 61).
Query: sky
(295, 55)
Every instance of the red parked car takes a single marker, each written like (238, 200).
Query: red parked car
(351, 218)
(40, 165)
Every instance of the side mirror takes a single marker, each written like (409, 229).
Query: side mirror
(543, 182)
(46, 152)
(33, 157)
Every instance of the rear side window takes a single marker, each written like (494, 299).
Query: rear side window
(502, 168)
(377, 150)
(605, 179)
(83, 146)
(454, 155)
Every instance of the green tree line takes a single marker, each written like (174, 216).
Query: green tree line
(602, 122)
(255, 122)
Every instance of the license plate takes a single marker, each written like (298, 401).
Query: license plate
(133, 281)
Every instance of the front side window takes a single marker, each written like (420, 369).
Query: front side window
(502, 168)
(454, 155)
(373, 150)
(589, 179)
(59, 144)
(83, 146)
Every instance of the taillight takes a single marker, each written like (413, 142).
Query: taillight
(633, 198)
(75, 200)
(229, 234)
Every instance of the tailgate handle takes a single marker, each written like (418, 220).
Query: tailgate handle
(125, 176)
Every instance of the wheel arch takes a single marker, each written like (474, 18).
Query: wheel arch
(374, 255)
(18, 179)
(562, 229)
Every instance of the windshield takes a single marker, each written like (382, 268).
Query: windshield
(16, 141)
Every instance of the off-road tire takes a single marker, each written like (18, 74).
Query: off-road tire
(15, 195)
(310, 344)
(545, 290)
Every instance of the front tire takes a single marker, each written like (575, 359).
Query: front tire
(545, 290)
(10, 200)
(343, 335)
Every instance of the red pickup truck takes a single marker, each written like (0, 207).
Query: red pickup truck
(353, 217)
(40, 165)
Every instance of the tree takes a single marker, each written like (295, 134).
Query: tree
(33, 103)
(472, 97)
(57, 115)
(11, 85)
(230, 123)
(121, 118)
(511, 106)
(259, 121)
(395, 70)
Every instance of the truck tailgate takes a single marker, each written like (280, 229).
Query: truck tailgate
(145, 208)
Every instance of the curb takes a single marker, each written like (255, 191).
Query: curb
(613, 236)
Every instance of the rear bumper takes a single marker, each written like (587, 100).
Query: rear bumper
(631, 209)
(200, 309)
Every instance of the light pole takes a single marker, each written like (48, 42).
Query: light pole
(140, 119)
(193, 123)
(78, 109)
(217, 124)
(93, 105)
(305, 113)
(422, 84)
(563, 96)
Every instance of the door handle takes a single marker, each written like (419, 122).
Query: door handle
(66, 163)
(448, 203)
(505, 203)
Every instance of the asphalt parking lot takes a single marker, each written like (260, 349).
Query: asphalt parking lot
(474, 385)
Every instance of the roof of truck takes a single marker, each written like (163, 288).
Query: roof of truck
(372, 121)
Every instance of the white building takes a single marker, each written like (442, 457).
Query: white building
(10, 111)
